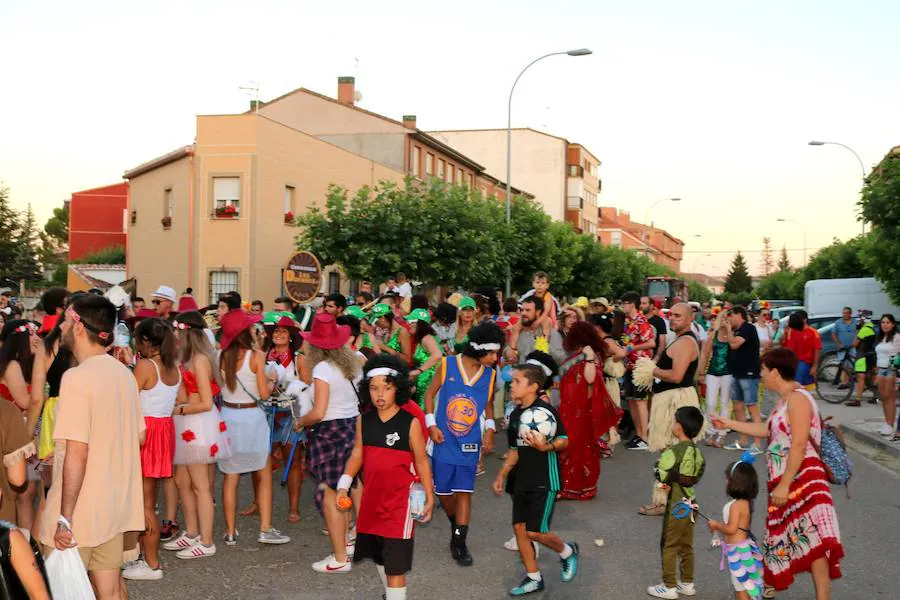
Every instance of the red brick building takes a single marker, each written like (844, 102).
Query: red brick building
(617, 229)
(97, 219)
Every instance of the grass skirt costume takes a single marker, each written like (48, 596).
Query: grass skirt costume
(612, 371)
(587, 413)
(662, 415)
(805, 529)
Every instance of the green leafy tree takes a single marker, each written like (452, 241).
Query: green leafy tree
(767, 261)
(781, 285)
(699, 292)
(880, 204)
(112, 255)
(433, 232)
(27, 247)
(784, 263)
(738, 279)
(57, 226)
(838, 260)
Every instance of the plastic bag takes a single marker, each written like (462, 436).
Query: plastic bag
(67, 575)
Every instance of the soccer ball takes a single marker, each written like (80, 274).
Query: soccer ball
(537, 418)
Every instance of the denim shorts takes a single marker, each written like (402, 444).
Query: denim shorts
(886, 372)
(745, 390)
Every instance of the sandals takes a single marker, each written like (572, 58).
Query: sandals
(852, 403)
(652, 510)
(768, 592)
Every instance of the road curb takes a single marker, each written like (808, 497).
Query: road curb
(872, 440)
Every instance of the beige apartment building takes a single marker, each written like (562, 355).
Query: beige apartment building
(617, 229)
(563, 176)
(211, 215)
(397, 145)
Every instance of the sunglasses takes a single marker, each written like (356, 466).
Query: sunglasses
(76, 318)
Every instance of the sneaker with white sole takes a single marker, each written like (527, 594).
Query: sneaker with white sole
(686, 589)
(181, 542)
(198, 550)
(734, 446)
(528, 586)
(886, 430)
(755, 450)
(513, 546)
(272, 536)
(351, 549)
(330, 565)
(636, 443)
(231, 539)
(661, 591)
(141, 571)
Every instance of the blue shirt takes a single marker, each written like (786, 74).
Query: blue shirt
(845, 332)
(457, 412)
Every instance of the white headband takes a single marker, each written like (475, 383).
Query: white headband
(537, 363)
(381, 371)
(488, 347)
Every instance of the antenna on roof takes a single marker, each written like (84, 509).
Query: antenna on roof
(252, 89)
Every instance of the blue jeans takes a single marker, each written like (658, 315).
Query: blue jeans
(745, 390)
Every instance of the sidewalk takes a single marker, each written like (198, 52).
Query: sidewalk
(861, 423)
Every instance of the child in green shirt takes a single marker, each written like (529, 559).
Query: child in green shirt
(679, 468)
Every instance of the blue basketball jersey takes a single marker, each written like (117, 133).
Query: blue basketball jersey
(458, 409)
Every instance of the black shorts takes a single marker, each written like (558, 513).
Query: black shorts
(535, 509)
(629, 391)
(394, 554)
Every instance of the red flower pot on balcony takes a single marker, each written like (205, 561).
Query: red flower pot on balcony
(289, 218)
(227, 212)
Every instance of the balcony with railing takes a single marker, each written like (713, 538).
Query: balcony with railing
(575, 203)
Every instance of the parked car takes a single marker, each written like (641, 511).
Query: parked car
(783, 312)
(817, 322)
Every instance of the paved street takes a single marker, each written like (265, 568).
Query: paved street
(621, 569)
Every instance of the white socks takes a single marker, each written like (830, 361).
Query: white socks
(566, 552)
(382, 575)
(396, 593)
(534, 576)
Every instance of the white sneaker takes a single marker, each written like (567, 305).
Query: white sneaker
(886, 430)
(351, 550)
(661, 591)
(198, 550)
(272, 536)
(330, 565)
(181, 542)
(513, 546)
(141, 571)
(686, 589)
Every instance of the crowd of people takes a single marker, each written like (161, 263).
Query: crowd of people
(117, 414)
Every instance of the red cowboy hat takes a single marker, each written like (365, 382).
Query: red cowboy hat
(233, 323)
(326, 333)
(187, 303)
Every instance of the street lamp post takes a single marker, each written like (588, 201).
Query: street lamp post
(647, 221)
(862, 167)
(803, 227)
(576, 52)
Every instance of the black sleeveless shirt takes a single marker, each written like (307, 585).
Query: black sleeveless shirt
(61, 363)
(665, 364)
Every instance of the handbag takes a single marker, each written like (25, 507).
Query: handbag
(833, 453)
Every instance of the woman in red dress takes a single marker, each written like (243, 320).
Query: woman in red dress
(586, 410)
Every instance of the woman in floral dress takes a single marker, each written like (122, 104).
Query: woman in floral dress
(801, 528)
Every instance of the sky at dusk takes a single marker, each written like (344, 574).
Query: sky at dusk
(711, 102)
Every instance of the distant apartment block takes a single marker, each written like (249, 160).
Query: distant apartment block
(617, 229)
(563, 176)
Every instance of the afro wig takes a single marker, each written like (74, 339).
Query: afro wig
(485, 333)
(401, 380)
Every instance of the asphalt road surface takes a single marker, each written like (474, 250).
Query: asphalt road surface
(621, 569)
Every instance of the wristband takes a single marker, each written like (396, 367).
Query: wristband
(489, 424)
(64, 522)
(430, 421)
(344, 482)
(629, 348)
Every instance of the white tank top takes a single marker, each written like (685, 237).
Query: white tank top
(246, 377)
(159, 401)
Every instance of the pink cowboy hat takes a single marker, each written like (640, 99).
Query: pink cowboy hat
(233, 323)
(326, 333)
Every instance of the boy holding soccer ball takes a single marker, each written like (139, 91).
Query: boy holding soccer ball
(535, 435)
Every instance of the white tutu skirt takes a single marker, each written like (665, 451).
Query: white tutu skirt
(250, 440)
(201, 438)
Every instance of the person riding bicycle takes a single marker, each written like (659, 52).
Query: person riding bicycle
(865, 354)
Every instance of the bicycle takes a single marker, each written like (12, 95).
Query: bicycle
(828, 378)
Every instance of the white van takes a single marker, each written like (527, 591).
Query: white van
(830, 296)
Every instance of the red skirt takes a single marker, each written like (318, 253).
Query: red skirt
(158, 451)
